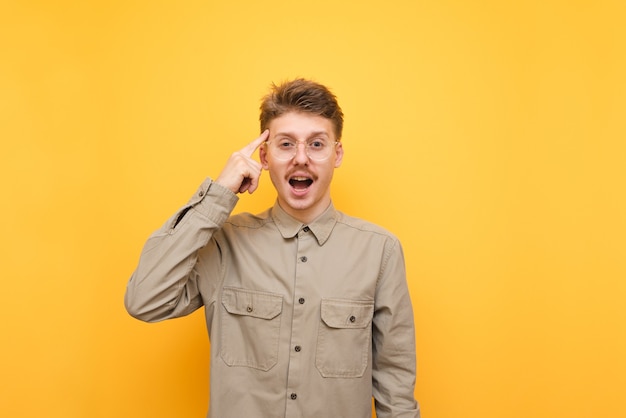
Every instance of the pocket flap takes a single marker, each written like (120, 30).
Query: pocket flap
(347, 313)
(253, 303)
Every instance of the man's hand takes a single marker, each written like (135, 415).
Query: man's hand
(241, 172)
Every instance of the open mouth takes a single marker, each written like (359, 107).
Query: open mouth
(300, 183)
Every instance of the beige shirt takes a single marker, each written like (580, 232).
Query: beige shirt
(304, 320)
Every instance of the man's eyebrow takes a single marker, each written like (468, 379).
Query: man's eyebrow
(312, 134)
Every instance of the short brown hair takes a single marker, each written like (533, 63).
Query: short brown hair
(301, 95)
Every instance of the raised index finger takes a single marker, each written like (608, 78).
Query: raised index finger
(249, 149)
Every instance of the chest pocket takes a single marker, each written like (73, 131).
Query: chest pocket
(344, 338)
(250, 328)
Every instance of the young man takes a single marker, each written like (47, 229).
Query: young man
(307, 309)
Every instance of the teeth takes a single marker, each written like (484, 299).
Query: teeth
(300, 178)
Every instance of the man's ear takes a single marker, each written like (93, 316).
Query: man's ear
(338, 154)
(263, 156)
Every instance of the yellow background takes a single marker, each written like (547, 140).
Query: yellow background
(488, 135)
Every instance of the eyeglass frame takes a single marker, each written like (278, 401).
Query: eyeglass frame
(306, 150)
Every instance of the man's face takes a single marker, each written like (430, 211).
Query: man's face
(302, 183)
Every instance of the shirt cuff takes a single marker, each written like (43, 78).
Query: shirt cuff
(213, 201)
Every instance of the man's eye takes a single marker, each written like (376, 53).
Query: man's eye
(317, 144)
(285, 144)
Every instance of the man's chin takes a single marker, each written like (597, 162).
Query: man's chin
(296, 203)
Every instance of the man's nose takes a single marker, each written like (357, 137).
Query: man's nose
(301, 153)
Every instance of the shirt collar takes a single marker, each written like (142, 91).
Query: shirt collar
(321, 227)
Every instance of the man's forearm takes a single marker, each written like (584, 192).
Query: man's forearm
(164, 285)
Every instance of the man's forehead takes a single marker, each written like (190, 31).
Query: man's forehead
(298, 124)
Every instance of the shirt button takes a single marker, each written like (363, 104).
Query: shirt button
(352, 318)
(303, 259)
(249, 309)
(294, 396)
(306, 229)
(201, 193)
(301, 301)
(297, 348)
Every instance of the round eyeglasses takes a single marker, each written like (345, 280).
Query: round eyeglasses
(286, 149)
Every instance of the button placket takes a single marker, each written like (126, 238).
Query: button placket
(298, 355)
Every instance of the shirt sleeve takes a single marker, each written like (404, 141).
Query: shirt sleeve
(393, 341)
(165, 283)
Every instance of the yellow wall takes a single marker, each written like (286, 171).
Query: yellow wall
(490, 136)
